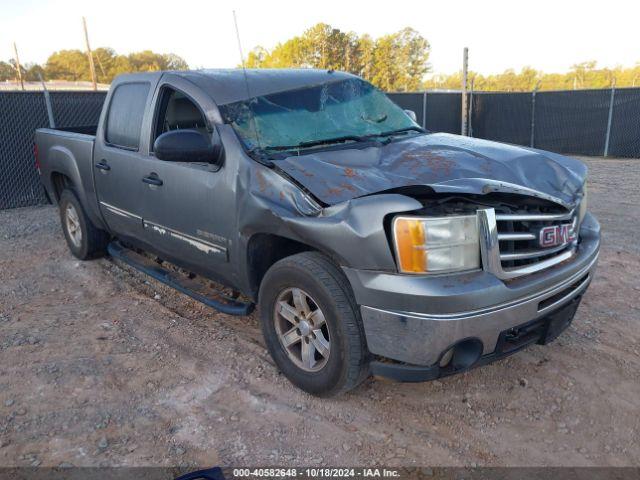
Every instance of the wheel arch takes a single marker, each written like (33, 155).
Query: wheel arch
(65, 172)
(265, 249)
(60, 182)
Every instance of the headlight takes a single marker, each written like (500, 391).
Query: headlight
(436, 245)
(582, 209)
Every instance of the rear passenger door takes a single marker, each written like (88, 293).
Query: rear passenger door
(117, 154)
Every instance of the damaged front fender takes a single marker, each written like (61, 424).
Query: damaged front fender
(352, 232)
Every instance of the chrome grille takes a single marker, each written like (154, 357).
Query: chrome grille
(510, 241)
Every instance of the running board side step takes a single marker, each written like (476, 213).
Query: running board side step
(228, 305)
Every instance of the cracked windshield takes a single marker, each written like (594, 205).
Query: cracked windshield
(335, 112)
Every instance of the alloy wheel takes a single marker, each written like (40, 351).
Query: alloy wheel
(73, 225)
(302, 329)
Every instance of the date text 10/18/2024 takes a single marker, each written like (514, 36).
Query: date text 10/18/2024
(315, 473)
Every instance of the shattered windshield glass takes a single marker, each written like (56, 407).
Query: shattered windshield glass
(334, 112)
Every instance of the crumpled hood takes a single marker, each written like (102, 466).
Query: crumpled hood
(445, 163)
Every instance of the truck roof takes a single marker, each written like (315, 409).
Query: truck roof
(228, 85)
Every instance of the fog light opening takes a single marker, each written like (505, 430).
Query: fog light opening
(462, 355)
(446, 358)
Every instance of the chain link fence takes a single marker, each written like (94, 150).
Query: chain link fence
(587, 122)
(20, 114)
(582, 122)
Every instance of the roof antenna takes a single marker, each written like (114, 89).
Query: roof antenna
(246, 82)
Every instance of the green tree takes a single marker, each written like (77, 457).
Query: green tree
(581, 75)
(326, 47)
(174, 62)
(393, 62)
(105, 60)
(257, 58)
(33, 72)
(70, 65)
(413, 50)
(365, 52)
(146, 61)
(400, 61)
(74, 64)
(386, 70)
(7, 71)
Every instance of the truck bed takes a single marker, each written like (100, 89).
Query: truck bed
(70, 132)
(83, 129)
(68, 152)
(77, 143)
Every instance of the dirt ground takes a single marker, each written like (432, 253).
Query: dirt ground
(100, 365)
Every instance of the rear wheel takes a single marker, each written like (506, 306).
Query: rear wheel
(84, 239)
(312, 325)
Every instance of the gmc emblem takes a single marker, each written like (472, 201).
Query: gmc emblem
(556, 235)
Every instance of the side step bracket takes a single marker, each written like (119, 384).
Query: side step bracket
(226, 305)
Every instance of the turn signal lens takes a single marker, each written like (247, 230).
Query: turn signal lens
(409, 235)
(437, 245)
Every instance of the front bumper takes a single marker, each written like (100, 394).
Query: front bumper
(510, 341)
(416, 319)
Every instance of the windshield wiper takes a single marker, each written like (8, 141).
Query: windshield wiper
(324, 141)
(398, 131)
(387, 135)
(345, 138)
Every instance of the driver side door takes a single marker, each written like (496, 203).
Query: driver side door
(182, 216)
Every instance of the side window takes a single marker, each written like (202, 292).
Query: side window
(124, 120)
(176, 111)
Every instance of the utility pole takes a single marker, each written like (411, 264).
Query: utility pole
(92, 67)
(533, 114)
(18, 67)
(470, 109)
(465, 73)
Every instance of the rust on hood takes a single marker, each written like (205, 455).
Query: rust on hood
(445, 163)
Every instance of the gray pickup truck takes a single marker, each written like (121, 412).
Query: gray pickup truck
(371, 246)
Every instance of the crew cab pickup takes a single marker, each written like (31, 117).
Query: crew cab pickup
(369, 245)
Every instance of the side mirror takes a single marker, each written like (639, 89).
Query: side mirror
(186, 146)
(412, 115)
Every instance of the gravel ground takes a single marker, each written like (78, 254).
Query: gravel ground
(102, 366)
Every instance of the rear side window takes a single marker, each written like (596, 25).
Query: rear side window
(124, 120)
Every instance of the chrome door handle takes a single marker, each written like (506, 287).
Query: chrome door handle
(152, 181)
(103, 165)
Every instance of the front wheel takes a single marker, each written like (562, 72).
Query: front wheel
(312, 325)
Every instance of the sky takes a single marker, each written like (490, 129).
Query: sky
(546, 35)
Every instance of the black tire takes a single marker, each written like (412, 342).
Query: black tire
(92, 241)
(347, 364)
